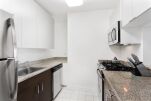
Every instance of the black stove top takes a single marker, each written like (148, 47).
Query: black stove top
(110, 65)
(116, 67)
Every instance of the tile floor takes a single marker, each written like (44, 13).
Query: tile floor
(69, 94)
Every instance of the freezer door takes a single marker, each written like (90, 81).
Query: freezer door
(7, 38)
(8, 80)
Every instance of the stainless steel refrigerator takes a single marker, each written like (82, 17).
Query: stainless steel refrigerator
(8, 64)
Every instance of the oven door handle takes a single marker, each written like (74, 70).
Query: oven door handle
(99, 74)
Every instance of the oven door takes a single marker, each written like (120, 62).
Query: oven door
(115, 35)
(100, 85)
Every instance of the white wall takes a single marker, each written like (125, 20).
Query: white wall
(147, 46)
(60, 39)
(126, 51)
(25, 13)
(87, 42)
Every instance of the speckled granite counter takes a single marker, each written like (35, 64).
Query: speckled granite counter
(46, 64)
(128, 87)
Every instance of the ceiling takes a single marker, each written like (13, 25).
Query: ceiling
(59, 7)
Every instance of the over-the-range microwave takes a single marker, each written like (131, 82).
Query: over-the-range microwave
(114, 35)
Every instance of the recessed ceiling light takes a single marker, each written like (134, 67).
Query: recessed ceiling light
(73, 3)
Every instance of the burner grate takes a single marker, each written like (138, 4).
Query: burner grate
(116, 67)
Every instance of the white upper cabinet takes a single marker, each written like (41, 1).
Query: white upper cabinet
(126, 11)
(45, 33)
(140, 6)
(131, 9)
(29, 33)
(34, 26)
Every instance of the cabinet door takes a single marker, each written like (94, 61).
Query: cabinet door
(29, 94)
(126, 10)
(29, 32)
(37, 88)
(46, 86)
(140, 6)
(45, 33)
(28, 90)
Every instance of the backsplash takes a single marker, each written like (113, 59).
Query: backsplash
(33, 54)
(126, 51)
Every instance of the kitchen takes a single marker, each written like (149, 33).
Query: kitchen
(61, 44)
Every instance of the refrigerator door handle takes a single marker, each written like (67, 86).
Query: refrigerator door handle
(12, 89)
(11, 30)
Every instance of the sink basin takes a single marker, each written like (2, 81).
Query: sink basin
(27, 70)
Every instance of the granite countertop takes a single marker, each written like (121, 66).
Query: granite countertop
(128, 87)
(46, 64)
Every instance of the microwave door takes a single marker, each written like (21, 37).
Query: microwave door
(114, 36)
(6, 41)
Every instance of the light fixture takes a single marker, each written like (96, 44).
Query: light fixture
(73, 3)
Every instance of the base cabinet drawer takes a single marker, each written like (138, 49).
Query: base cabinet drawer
(37, 88)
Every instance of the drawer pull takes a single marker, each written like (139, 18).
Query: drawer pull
(42, 87)
(38, 91)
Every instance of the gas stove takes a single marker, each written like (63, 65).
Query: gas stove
(116, 67)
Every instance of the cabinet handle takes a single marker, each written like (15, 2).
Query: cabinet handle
(38, 91)
(42, 88)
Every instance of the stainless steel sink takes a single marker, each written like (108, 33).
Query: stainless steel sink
(27, 70)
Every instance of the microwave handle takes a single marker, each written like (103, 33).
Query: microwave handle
(112, 34)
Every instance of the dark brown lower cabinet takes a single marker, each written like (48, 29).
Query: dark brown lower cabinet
(37, 88)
